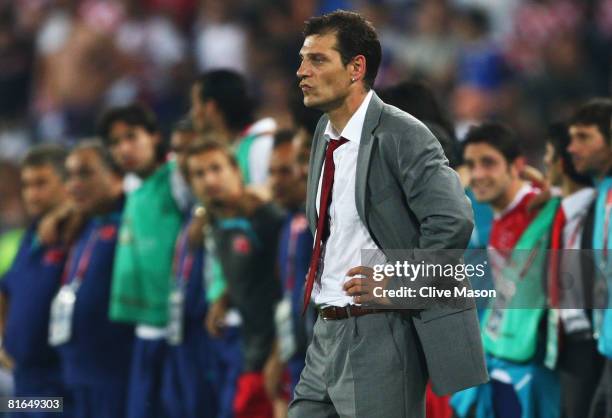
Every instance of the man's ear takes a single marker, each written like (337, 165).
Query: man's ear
(358, 68)
(518, 165)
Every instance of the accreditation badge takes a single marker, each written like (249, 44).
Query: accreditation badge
(62, 311)
(284, 329)
(176, 306)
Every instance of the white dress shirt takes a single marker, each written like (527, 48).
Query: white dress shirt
(575, 208)
(347, 234)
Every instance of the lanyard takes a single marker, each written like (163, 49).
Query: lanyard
(83, 261)
(183, 259)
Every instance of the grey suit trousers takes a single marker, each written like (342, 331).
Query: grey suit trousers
(365, 367)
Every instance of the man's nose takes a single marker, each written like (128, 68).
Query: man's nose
(302, 71)
(477, 172)
(124, 146)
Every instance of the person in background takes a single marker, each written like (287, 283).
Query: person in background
(590, 148)
(221, 105)
(188, 386)
(31, 282)
(245, 233)
(494, 160)
(288, 182)
(495, 163)
(133, 138)
(183, 135)
(571, 278)
(95, 352)
(154, 212)
(188, 379)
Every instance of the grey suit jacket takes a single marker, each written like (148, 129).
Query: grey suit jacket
(408, 198)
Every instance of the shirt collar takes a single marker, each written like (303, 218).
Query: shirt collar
(520, 195)
(352, 130)
(578, 202)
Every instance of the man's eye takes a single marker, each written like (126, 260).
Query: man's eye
(487, 163)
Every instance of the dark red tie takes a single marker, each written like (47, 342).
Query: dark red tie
(323, 221)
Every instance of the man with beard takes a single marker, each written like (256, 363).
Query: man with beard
(591, 150)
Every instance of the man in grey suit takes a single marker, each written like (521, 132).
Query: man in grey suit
(378, 181)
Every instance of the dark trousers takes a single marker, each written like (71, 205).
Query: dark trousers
(145, 386)
(580, 367)
(601, 406)
(41, 382)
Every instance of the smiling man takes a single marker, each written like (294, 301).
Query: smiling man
(378, 180)
(494, 159)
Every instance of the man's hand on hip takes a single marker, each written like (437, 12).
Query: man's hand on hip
(361, 287)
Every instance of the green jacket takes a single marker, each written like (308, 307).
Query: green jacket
(144, 255)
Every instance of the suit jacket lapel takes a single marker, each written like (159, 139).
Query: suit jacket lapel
(317, 157)
(365, 152)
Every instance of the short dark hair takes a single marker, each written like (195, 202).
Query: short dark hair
(229, 91)
(41, 155)
(201, 146)
(418, 99)
(559, 139)
(97, 146)
(355, 36)
(596, 112)
(497, 135)
(136, 114)
(283, 137)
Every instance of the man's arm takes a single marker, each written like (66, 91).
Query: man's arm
(434, 194)
(433, 191)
